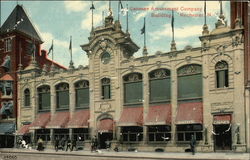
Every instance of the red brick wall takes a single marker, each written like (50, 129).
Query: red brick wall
(25, 59)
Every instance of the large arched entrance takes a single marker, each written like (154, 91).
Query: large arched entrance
(105, 132)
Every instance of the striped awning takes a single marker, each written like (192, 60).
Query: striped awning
(59, 120)
(159, 115)
(190, 113)
(131, 116)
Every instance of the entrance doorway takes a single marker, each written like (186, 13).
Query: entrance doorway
(105, 139)
(222, 137)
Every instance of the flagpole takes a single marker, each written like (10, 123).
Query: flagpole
(118, 10)
(145, 32)
(127, 19)
(205, 12)
(52, 52)
(71, 49)
(172, 23)
(92, 16)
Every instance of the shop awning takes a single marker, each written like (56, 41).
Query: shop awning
(79, 119)
(131, 116)
(105, 125)
(7, 128)
(190, 113)
(222, 119)
(59, 120)
(23, 130)
(159, 115)
(41, 120)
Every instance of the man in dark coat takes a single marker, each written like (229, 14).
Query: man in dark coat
(73, 144)
(192, 144)
(68, 144)
(56, 143)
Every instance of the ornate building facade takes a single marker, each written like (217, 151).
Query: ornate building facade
(154, 102)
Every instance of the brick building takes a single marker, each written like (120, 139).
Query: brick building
(20, 44)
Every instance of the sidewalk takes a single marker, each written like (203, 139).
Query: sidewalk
(146, 155)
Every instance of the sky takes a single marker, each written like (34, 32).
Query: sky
(58, 20)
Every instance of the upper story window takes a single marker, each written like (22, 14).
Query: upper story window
(106, 93)
(6, 88)
(133, 90)
(221, 70)
(105, 57)
(6, 63)
(62, 96)
(43, 98)
(26, 97)
(190, 82)
(159, 85)
(82, 94)
(7, 45)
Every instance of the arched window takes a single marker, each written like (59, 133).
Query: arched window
(190, 82)
(26, 97)
(43, 98)
(159, 85)
(221, 70)
(82, 94)
(106, 93)
(105, 57)
(133, 91)
(62, 96)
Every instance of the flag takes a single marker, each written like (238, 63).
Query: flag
(51, 48)
(120, 4)
(143, 28)
(172, 21)
(92, 6)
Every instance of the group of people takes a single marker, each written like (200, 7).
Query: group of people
(62, 143)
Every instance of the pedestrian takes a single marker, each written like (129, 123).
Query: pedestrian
(108, 144)
(68, 145)
(94, 144)
(192, 144)
(73, 144)
(40, 144)
(63, 143)
(56, 144)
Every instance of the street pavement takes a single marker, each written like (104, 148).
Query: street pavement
(49, 154)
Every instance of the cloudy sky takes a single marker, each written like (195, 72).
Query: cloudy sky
(58, 20)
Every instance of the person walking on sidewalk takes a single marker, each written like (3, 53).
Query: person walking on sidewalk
(73, 144)
(56, 143)
(68, 144)
(192, 144)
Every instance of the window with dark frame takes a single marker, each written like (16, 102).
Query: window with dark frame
(221, 71)
(160, 85)
(62, 96)
(44, 98)
(8, 45)
(81, 134)
(26, 97)
(185, 132)
(106, 92)
(133, 88)
(132, 134)
(159, 133)
(82, 94)
(190, 82)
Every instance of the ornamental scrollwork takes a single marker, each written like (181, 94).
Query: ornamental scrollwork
(82, 84)
(189, 70)
(133, 77)
(159, 74)
(62, 87)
